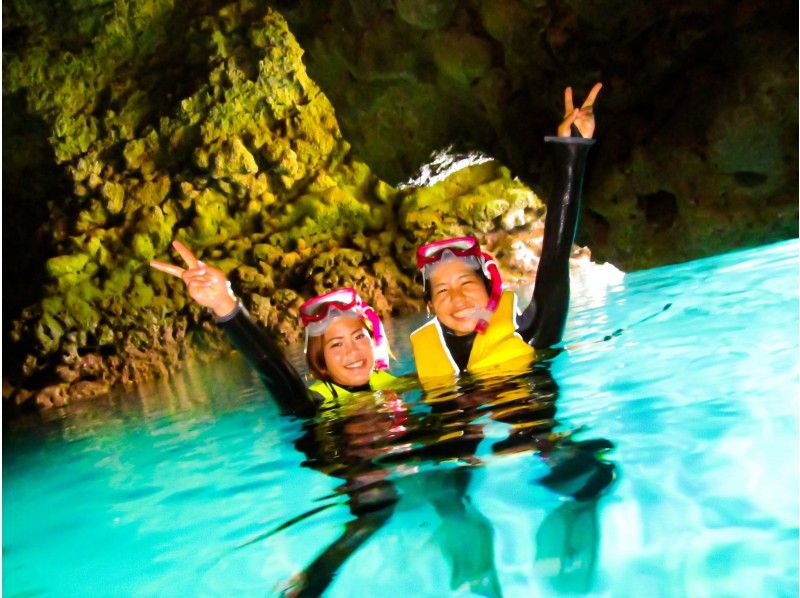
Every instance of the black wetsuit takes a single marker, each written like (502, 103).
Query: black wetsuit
(268, 359)
(541, 324)
(331, 445)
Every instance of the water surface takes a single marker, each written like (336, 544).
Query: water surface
(190, 487)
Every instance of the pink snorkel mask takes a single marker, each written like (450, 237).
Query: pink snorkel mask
(319, 312)
(468, 250)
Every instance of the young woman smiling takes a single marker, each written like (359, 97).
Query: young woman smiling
(346, 346)
(477, 327)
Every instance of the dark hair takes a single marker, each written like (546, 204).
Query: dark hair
(426, 294)
(315, 358)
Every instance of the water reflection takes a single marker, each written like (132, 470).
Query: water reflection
(391, 451)
(200, 389)
(387, 445)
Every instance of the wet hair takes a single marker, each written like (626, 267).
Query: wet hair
(426, 295)
(315, 358)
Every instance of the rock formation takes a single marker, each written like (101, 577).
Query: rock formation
(697, 127)
(218, 139)
(129, 124)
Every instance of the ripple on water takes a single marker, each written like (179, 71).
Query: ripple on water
(177, 496)
(187, 495)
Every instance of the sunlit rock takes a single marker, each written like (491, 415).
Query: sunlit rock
(124, 136)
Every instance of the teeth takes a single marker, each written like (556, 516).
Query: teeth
(465, 313)
(355, 365)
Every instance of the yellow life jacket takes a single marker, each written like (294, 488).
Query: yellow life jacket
(383, 402)
(379, 380)
(498, 351)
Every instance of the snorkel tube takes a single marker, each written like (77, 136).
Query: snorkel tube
(380, 341)
(492, 273)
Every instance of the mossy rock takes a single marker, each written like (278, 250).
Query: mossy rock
(426, 14)
(66, 264)
(246, 165)
(462, 57)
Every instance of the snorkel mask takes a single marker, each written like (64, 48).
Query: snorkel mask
(468, 250)
(319, 312)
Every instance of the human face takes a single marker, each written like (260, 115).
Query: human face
(456, 292)
(347, 349)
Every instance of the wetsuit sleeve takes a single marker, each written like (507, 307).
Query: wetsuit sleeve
(542, 323)
(266, 357)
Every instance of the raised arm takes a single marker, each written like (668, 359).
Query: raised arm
(209, 287)
(542, 322)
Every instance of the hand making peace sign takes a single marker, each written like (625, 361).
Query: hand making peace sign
(206, 284)
(583, 117)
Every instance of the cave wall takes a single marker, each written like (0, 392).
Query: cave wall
(697, 130)
(131, 124)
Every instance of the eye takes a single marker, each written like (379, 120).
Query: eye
(335, 345)
(359, 335)
(440, 291)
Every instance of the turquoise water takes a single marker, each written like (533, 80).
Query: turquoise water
(182, 488)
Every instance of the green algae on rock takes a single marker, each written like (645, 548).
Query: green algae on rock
(200, 123)
(682, 173)
(251, 155)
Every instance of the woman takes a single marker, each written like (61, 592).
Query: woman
(360, 447)
(476, 328)
(347, 351)
(346, 345)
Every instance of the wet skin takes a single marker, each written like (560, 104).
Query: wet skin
(347, 349)
(456, 292)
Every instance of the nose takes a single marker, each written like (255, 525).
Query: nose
(351, 348)
(457, 296)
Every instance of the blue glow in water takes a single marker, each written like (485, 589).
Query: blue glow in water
(172, 491)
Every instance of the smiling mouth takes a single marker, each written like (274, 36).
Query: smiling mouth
(463, 314)
(356, 365)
